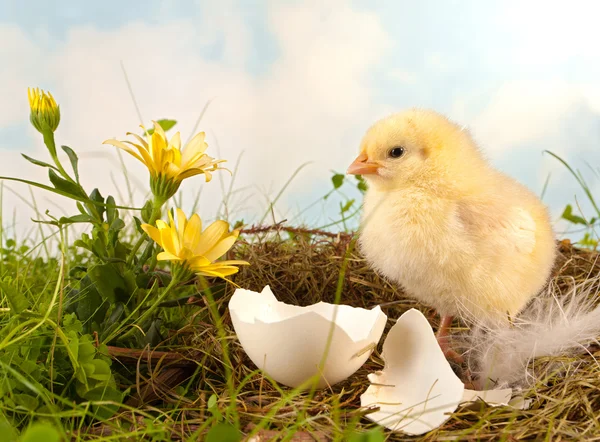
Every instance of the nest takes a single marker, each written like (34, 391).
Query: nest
(303, 267)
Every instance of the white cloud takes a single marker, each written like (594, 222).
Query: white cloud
(312, 104)
(524, 112)
(524, 118)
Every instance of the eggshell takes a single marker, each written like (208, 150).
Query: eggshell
(495, 398)
(288, 342)
(491, 397)
(520, 403)
(417, 390)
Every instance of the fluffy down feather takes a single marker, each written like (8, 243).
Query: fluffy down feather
(553, 324)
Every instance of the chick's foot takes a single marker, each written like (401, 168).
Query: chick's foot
(443, 340)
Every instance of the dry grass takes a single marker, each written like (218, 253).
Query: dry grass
(303, 271)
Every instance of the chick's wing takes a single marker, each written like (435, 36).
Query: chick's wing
(504, 226)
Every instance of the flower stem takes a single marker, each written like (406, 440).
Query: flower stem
(178, 273)
(51, 145)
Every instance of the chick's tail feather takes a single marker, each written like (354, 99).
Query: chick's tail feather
(553, 324)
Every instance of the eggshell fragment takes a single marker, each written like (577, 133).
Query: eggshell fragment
(417, 390)
(491, 397)
(288, 342)
(520, 403)
(495, 398)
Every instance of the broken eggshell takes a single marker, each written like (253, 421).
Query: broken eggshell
(495, 398)
(288, 342)
(417, 390)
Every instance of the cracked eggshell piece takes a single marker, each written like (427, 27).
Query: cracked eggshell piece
(417, 390)
(495, 398)
(288, 342)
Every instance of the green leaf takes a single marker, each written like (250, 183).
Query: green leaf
(588, 241)
(16, 299)
(153, 336)
(165, 123)
(101, 370)
(40, 432)
(569, 216)
(81, 208)
(116, 313)
(362, 184)
(337, 180)
(222, 432)
(71, 189)
(117, 224)
(71, 323)
(347, 206)
(212, 403)
(96, 197)
(74, 160)
(104, 393)
(138, 225)
(7, 431)
(108, 282)
(38, 162)
(147, 211)
(26, 401)
(81, 218)
(111, 212)
(74, 344)
(87, 351)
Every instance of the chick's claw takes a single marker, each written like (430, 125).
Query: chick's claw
(443, 340)
(448, 352)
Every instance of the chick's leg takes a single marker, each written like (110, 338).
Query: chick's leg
(443, 339)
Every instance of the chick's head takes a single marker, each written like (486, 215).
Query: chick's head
(414, 148)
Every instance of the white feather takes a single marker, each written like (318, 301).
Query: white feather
(553, 324)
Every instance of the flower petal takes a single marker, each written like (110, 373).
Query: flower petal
(158, 145)
(210, 237)
(153, 233)
(221, 247)
(126, 148)
(174, 235)
(166, 256)
(233, 262)
(192, 172)
(167, 240)
(147, 158)
(198, 262)
(181, 225)
(175, 142)
(143, 142)
(196, 146)
(193, 231)
(220, 273)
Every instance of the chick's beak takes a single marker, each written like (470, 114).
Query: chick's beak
(362, 166)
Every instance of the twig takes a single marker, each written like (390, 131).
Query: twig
(298, 230)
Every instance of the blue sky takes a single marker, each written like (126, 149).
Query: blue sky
(298, 81)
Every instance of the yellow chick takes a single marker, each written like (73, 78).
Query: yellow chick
(439, 220)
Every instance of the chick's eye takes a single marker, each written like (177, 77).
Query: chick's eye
(396, 152)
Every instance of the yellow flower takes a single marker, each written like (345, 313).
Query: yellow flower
(45, 113)
(186, 244)
(167, 163)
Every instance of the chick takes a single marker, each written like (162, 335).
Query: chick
(452, 231)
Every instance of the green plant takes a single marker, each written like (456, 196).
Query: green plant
(590, 238)
(55, 332)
